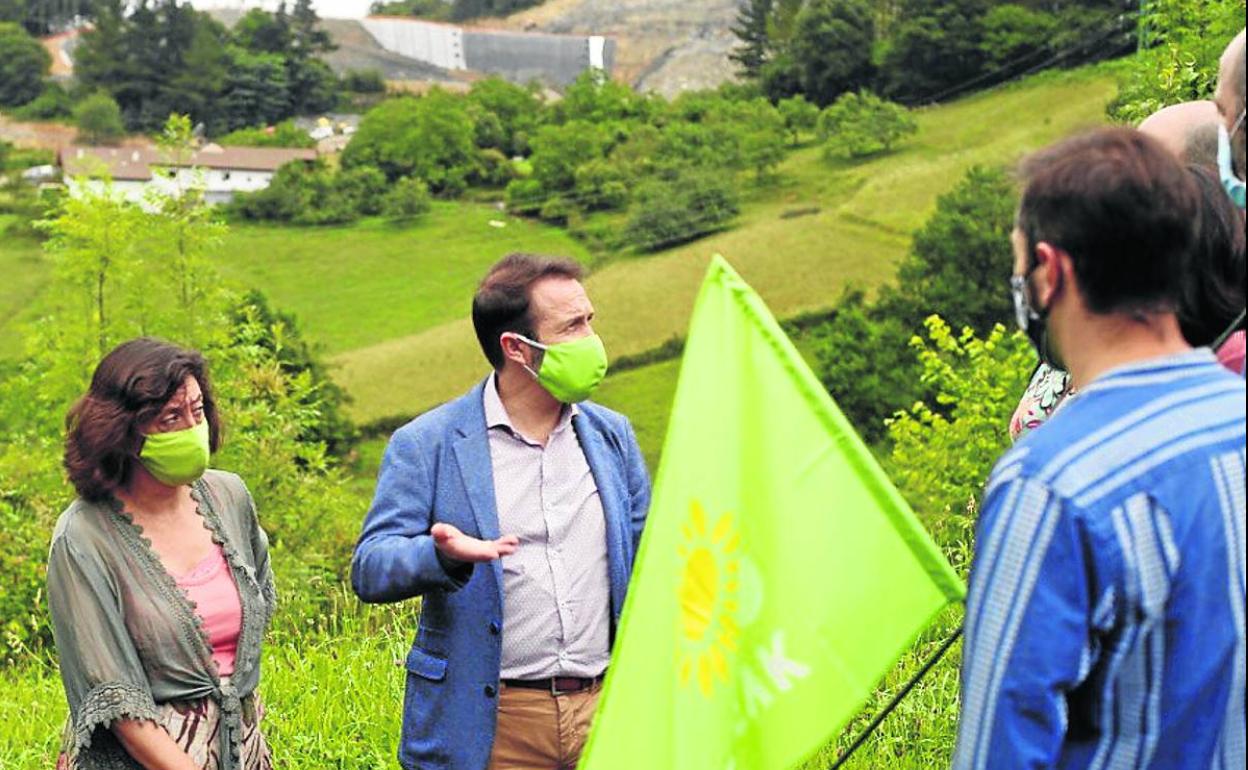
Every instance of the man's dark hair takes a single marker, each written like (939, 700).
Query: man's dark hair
(502, 301)
(1213, 283)
(129, 388)
(1123, 208)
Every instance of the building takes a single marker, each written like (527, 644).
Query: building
(220, 171)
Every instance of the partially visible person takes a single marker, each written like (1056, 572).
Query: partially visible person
(1232, 140)
(1190, 131)
(1211, 311)
(158, 576)
(1105, 615)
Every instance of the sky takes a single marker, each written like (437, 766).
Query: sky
(329, 9)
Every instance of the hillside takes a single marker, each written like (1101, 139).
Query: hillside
(865, 213)
(666, 46)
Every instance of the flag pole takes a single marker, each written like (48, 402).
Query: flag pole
(880, 717)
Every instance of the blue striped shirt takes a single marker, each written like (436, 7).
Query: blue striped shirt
(1105, 618)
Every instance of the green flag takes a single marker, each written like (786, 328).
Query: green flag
(780, 574)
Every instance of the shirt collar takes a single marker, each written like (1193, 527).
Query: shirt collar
(1185, 360)
(496, 413)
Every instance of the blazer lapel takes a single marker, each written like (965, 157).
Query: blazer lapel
(472, 455)
(603, 464)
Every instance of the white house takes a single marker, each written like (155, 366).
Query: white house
(221, 171)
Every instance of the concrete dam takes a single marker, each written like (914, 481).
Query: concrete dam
(553, 59)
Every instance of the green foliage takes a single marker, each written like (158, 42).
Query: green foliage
(831, 47)
(861, 357)
(1013, 33)
(158, 59)
(862, 124)
(53, 103)
(506, 115)
(668, 213)
(284, 134)
(961, 257)
(434, 10)
(750, 29)
(314, 194)
(430, 137)
(23, 65)
(367, 81)
(1185, 40)
(800, 116)
(943, 451)
(472, 9)
(406, 199)
(598, 99)
(936, 45)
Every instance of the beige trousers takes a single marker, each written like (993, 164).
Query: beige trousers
(540, 731)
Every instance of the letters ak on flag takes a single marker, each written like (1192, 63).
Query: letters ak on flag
(780, 575)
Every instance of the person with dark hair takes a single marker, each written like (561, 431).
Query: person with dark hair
(159, 582)
(1105, 615)
(1211, 309)
(1213, 277)
(515, 512)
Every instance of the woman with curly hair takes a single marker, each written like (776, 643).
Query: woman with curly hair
(158, 576)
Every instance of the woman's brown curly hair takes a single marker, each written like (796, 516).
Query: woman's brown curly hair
(128, 390)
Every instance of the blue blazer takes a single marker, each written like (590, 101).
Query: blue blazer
(437, 469)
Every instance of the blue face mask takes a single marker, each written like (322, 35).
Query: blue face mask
(1234, 185)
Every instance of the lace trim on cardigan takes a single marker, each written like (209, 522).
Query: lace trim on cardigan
(108, 703)
(192, 625)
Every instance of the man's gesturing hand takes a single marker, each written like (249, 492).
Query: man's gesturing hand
(456, 545)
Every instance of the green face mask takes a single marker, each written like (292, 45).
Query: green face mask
(177, 457)
(571, 371)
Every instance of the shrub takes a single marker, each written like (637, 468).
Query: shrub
(668, 213)
(284, 134)
(368, 81)
(99, 119)
(53, 103)
(863, 124)
(23, 64)
(407, 198)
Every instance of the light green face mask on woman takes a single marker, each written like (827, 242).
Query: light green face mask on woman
(571, 371)
(177, 457)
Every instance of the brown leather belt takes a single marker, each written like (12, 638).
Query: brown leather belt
(556, 685)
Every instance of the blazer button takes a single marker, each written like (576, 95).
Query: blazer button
(490, 692)
(494, 628)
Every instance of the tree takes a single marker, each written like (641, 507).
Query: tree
(430, 137)
(256, 89)
(937, 46)
(23, 65)
(831, 47)
(406, 199)
(1014, 35)
(668, 213)
(753, 19)
(863, 124)
(505, 115)
(99, 119)
(960, 257)
(800, 116)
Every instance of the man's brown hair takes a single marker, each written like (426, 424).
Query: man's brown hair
(1124, 209)
(129, 388)
(502, 301)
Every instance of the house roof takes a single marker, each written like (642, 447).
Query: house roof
(135, 163)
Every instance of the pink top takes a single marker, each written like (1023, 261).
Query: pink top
(210, 585)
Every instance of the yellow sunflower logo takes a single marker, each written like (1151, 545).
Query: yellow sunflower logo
(707, 594)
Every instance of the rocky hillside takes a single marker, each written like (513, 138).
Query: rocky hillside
(666, 46)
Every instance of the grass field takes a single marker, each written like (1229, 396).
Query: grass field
(357, 285)
(866, 212)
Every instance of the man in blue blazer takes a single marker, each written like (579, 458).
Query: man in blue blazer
(515, 512)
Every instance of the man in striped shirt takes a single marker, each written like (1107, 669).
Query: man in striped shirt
(1105, 620)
